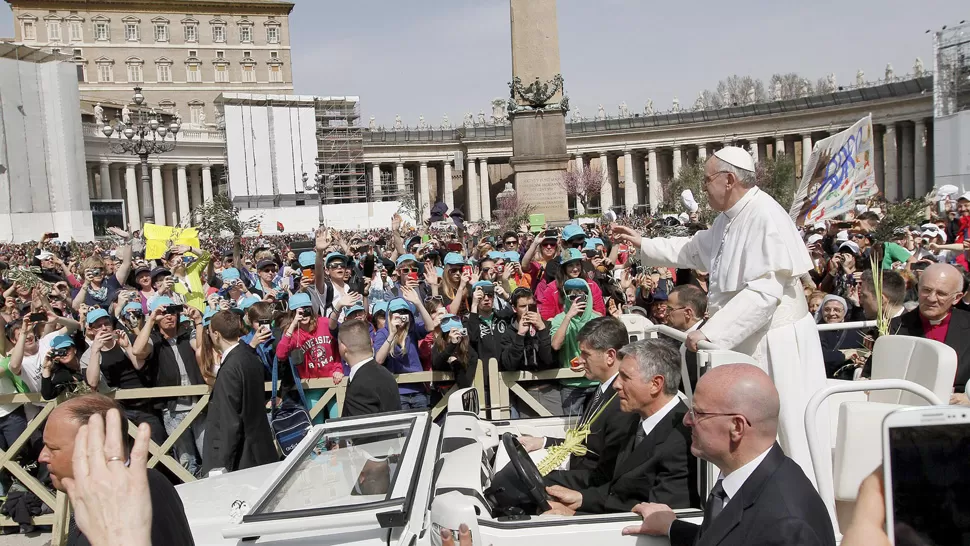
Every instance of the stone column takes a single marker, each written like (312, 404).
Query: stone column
(472, 193)
(449, 187)
(206, 183)
(580, 168)
(131, 188)
(629, 183)
(485, 187)
(779, 146)
(158, 196)
(606, 192)
(183, 192)
(892, 166)
(655, 189)
(146, 192)
(104, 180)
(195, 188)
(806, 151)
(753, 148)
(879, 157)
(906, 167)
(920, 159)
(424, 192)
(375, 180)
(399, 183)
(115, 176)
(677, 162)
(171, 200)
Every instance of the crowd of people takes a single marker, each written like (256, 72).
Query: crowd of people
(101, 316)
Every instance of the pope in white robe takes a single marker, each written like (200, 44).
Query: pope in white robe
(754, 256)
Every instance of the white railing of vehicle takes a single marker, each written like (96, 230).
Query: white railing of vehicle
(847, 326)
(826, 484)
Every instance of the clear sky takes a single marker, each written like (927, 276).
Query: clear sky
(431, 57)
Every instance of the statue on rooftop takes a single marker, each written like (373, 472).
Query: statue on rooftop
(624, 110)
(481, 118)
(601, 112)
(126, 115)
(890, 73)
(918, 70)
(99, 114)
(648, 108)
(676, 105)
(398, 122)
(860, 78)
(421, 123)
(445, 122)
(372, 123)
(467, 122)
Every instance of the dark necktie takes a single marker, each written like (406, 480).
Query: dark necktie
(641, 434)
(592, 407)
(716, 500)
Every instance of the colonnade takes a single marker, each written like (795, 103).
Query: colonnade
(167, 197)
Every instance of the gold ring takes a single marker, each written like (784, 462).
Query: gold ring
(110, 459)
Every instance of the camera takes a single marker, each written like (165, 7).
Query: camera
(488, 291)
(174, 309)
(58, 353)
(577, 298)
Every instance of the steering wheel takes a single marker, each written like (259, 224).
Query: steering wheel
(527, 471)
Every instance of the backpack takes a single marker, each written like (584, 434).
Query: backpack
(290, 420)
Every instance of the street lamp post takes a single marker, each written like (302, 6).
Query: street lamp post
(144, 137)
(321, 184)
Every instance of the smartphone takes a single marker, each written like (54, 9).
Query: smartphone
(52, 235)
(455, 247)
(578, 298)
(466, 270)
(174, 309)
(308, 274)
(925, 472)
(488, 291)
(591, 253)
(550, 234)
(533, 308)
(413, 276)
(38, 317)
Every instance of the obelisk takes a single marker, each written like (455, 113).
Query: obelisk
(537, 108)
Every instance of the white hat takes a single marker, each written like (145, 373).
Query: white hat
(688, 199)
(814, 238)
(842, 235)
(965, 197)
(683, 217)
(44, 255)
(738, 157)
(946, 191)
(818, 225)
(851, 246)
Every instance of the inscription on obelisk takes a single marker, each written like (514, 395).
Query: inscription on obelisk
(537, 108)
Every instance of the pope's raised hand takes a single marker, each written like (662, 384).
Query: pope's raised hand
(627, 235)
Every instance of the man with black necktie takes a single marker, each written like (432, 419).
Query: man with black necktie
(656, 463)
(761, 497)
(599, 342)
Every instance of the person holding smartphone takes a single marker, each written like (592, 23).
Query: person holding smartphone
(527, 346)
(396, 346)
(61, 371)
(565, 331)
(453, 353)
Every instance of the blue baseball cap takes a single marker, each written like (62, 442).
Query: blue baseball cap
(62, 342)
(596, 241)
(161, 301)
(335, 256)
(298, 300)
(207, 316)
(449, 323)
(439, 270)
(378, 307)
(575, 284)
(96, 314)
(405, 258)
(454, 258)
(247, 302)
(308, 258)
(570, 255)
(399, 304)
(495, 255)
(231, 274)
(353, 309)
(132, 307)
(482, 284)
(512, 256)
(572, 231)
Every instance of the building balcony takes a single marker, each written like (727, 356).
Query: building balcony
(188, 133)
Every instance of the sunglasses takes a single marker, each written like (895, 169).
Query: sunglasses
(433, 298)
(549, 244)
(511, 242)
(269, 269)
(94, 272)
(336, 266)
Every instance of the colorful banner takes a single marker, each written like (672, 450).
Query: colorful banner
(159, 238)
(839, 172)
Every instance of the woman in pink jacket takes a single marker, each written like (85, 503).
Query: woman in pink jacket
(551, 300)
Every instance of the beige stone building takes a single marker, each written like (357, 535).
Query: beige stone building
(183, 54)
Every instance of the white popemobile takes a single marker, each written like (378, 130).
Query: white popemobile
(397, 479)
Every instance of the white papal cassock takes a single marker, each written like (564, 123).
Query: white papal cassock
(754, 256)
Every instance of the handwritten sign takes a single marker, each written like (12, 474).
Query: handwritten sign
(839, 172)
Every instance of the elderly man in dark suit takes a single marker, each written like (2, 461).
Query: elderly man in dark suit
(600, 341)
(655, 464)
(936, 318)
(372, 388)
(237, 433)
(761, 497)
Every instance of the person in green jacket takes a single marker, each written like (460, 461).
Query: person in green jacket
(565, 328)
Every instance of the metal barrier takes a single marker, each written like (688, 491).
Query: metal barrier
(159, 454)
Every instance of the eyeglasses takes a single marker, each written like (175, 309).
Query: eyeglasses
(406, 270)
(926, 291)
(269, 270)
(695, 416)
(577, 244)
(713, 177)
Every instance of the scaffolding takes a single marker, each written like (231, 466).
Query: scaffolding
(951, 93)
(340, 150)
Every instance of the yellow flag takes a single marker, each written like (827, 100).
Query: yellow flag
(159, 238)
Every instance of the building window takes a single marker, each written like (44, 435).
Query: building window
(53, 31)
(135, 72)
(274, 55)
(30, 31)
(218, 33)
(192, 73)
(273, 34)
(220, 54)
(77, 54)
(131, 32)
(246, 34)
(193, 53)
(195, 113)
(164, 72)
(101, 30)
(191, 32)
(249, 73)
(161, 32)
(222, 73)
(77, 31)
(105, 73)
(275, 74)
